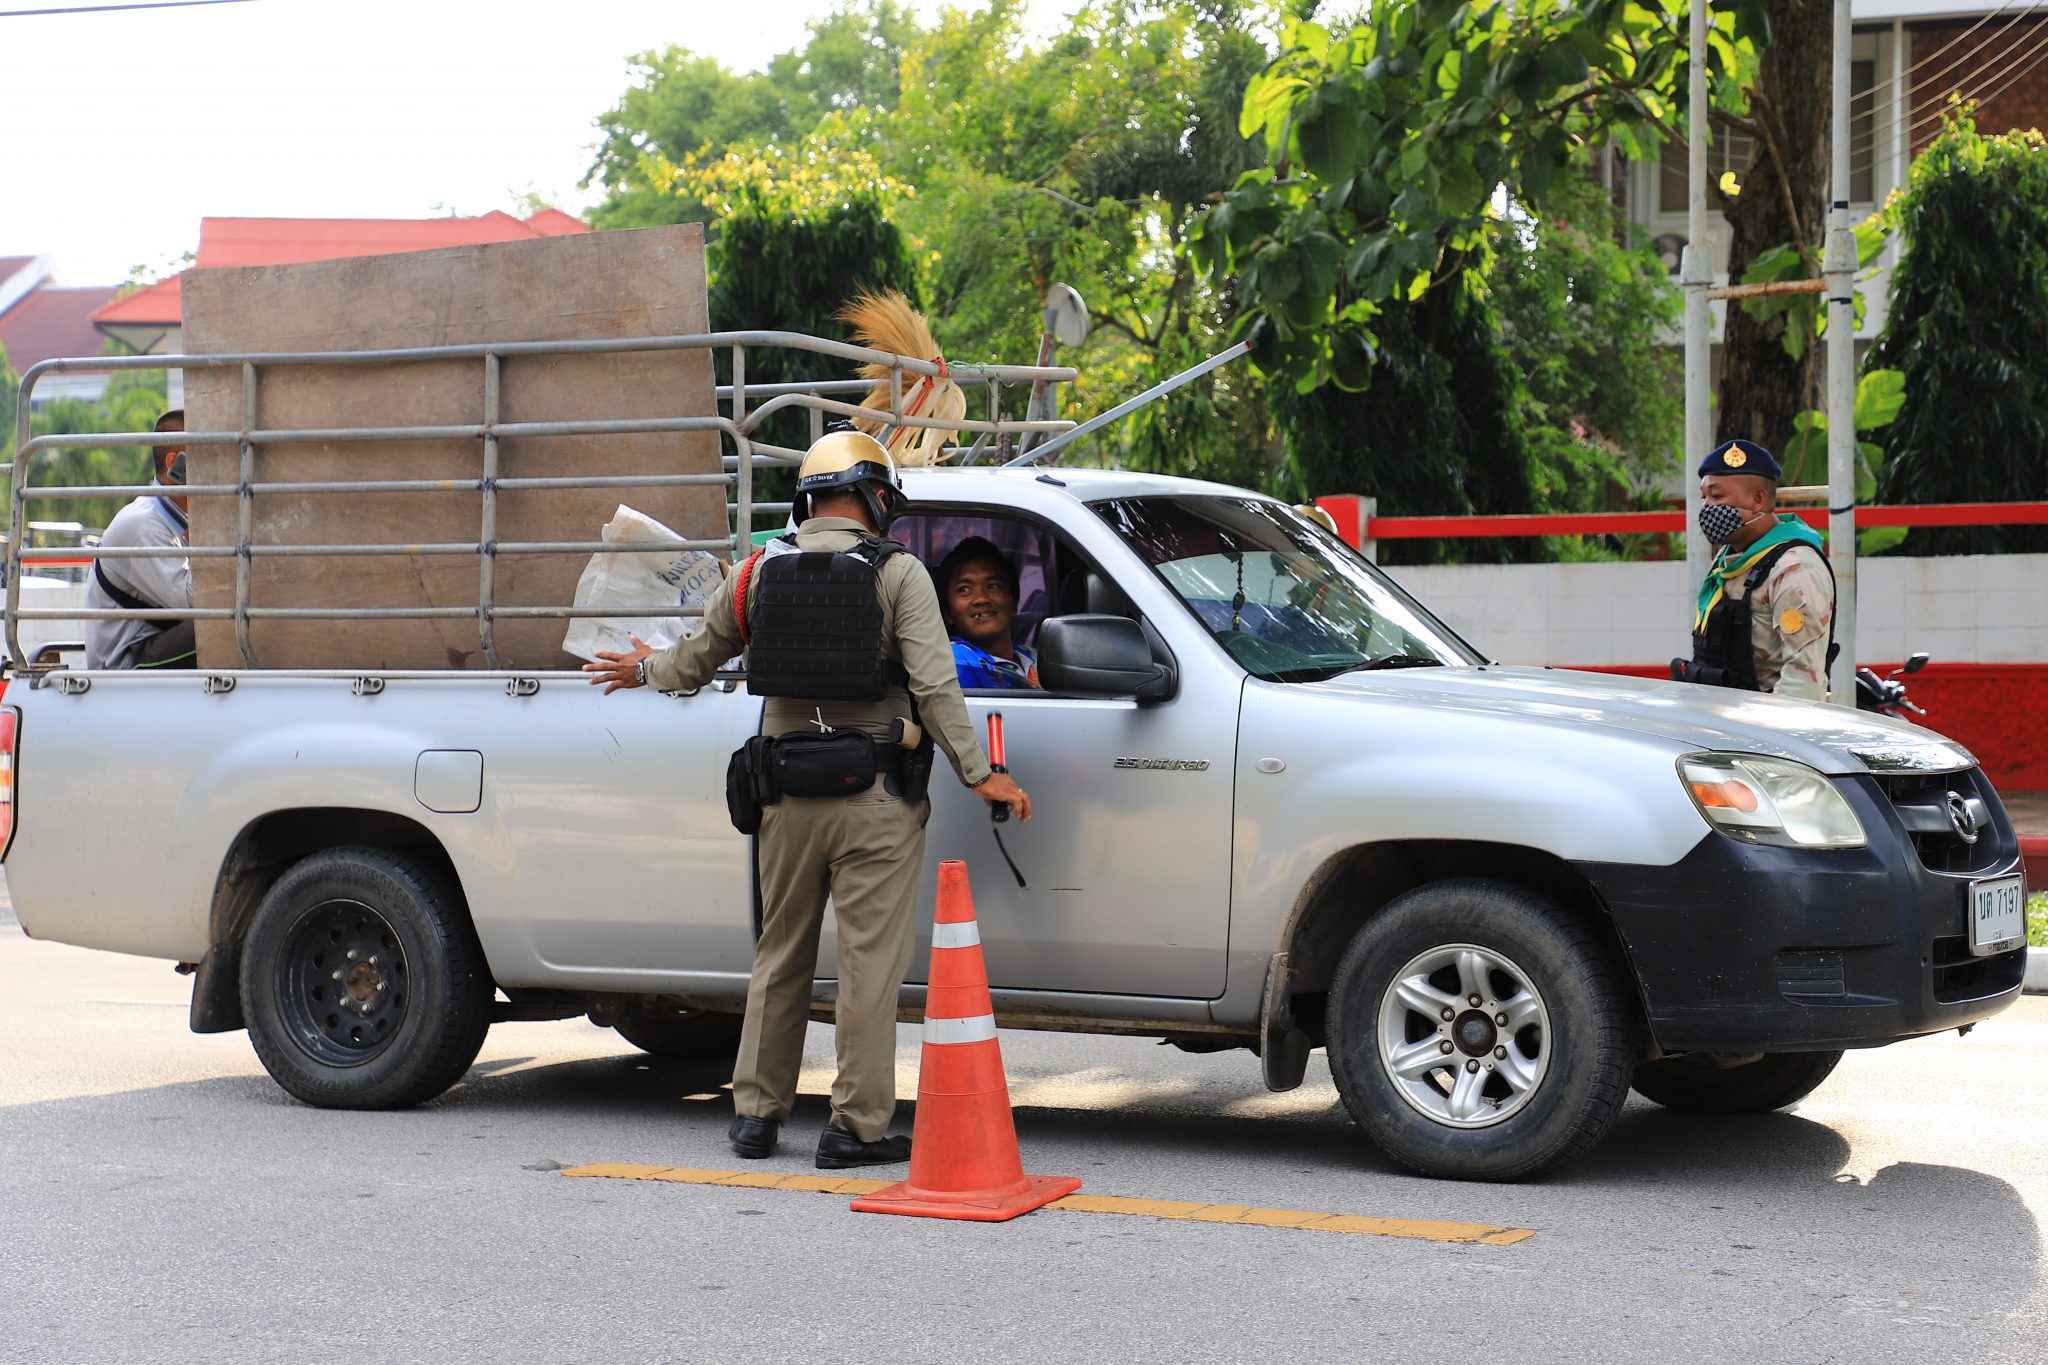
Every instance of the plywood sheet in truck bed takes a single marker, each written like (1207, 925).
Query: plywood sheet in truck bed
(648, 282)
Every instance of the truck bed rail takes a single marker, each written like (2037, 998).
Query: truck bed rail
(738, 426)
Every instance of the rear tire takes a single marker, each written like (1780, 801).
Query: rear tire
(696, 1035)
(363, 983)
(1703, 1083)
(1468, 1097)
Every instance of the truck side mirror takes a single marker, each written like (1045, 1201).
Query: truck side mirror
(1100, 656)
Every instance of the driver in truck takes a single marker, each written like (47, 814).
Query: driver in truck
(978, 592)
(142, 582)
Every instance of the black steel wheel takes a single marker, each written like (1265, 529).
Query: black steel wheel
(362, 981)
(1717, 1083)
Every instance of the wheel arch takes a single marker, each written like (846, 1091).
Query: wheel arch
(261, 853)
(1354, 885)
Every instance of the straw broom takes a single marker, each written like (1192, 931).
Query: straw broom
(883, 320)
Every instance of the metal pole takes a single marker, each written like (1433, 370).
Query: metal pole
(1693, 278)
(487, 562)
(1058, 443)
(245, 518)
(1839, 267)
(743, 473)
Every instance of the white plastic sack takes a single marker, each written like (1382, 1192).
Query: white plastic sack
(686, 578)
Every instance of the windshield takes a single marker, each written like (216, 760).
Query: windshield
(1288, 601)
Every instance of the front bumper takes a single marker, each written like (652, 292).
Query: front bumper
(1747, 948)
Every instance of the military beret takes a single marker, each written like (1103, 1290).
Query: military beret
(1741, 457)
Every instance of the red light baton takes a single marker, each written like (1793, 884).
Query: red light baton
(999, 811)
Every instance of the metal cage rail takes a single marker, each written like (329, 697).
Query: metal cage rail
(738, 425)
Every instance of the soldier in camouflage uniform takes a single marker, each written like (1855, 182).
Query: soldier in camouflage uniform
(1766, 613)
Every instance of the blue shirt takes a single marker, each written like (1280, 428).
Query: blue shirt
(979, 668)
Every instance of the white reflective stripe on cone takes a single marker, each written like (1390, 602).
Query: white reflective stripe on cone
(978, 1029)
(966, 935)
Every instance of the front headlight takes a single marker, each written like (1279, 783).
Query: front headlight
(1770, 801)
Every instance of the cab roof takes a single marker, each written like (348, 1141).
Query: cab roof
(1016, 485)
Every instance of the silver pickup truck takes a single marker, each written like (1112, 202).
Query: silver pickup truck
(1280, 807)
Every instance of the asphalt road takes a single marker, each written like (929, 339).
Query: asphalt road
(161, 1199)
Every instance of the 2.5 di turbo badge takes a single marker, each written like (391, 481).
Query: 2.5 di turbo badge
(1171, 765)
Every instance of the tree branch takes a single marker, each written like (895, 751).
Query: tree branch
(1774, 145)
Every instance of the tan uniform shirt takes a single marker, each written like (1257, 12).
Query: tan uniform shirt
(1790, 623)
(913, 633)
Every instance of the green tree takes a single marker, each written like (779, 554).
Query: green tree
(1084, 159)
(1587, 312)
(799, 234)
(1444, 402)
(132, 402)
(1968, 326)
(682, 104)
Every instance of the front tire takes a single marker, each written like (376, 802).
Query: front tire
(1478, 1031)
(363, 983)
(1710, 1083)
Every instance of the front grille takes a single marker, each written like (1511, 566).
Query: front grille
(1928, 805)
(1958, 976)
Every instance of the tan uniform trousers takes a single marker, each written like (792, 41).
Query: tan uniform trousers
(865, 852)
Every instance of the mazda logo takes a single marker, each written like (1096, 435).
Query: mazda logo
(1961, 818)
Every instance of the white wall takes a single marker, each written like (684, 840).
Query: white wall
(1969, 609)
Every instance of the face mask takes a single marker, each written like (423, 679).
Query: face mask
(175, 473)
(1719, 522)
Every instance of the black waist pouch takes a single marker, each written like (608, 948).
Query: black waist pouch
(746, 784)
(835, 763)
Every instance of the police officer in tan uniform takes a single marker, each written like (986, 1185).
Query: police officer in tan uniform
(1766, 612)
(844, 638)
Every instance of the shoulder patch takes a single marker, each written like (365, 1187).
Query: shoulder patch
(1791, 620)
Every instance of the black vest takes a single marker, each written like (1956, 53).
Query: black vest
(816, 625)
(1722, 655)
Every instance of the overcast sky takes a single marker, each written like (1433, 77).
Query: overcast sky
(120, 131)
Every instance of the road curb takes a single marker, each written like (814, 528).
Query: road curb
(2037, 971)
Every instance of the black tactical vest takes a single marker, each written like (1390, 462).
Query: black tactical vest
(815, 622)
(1722, 655)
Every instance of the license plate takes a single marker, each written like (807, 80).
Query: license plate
(1998, 915)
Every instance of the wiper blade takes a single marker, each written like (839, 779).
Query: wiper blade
(1329, 671)
(1396, 661)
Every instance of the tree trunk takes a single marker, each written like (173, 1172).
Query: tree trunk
(1763, 388)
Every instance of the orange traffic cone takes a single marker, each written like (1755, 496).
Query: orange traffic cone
(964, 1161)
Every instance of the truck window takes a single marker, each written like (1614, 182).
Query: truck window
(1289, 602)
(931, 534)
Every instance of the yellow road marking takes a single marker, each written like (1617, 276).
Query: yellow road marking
(1181, 1210)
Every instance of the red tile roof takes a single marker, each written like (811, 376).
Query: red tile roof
(292, 241)
(10, 264)
(158, 305)
(51, 322)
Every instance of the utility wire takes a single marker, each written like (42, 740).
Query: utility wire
(1906, 95)
(2018, 62)
(112, 9)
(1960, 37)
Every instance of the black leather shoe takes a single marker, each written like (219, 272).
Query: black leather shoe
(753, 1138)
(838, 1149)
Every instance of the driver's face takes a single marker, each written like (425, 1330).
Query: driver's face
(980, 607)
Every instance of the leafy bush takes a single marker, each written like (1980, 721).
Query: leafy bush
(1969, 329)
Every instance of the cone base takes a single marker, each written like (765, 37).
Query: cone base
(977, 1206)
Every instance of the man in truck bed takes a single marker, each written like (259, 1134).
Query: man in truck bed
(864, 847)
(144, 582)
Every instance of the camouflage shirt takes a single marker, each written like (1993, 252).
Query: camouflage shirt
(1790, 623)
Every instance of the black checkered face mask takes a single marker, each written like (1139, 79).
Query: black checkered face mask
(1719, 522)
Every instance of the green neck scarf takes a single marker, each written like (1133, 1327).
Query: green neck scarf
(1728, 566)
